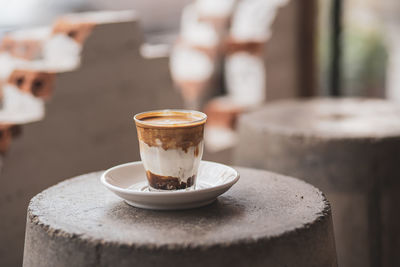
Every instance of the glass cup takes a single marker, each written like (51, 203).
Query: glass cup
(171, 146)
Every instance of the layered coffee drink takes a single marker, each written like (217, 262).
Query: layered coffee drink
(171, 147)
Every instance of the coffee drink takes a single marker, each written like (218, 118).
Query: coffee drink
(171, 147)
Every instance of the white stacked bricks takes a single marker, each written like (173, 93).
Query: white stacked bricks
(251, 28)
(194, 58)
(244, 72)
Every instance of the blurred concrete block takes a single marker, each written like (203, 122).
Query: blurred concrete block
(290, 51)
(350, 149)
(88, 120)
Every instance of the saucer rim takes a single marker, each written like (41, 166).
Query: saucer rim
(175, 192)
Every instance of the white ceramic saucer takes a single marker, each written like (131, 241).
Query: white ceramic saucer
(129, 182)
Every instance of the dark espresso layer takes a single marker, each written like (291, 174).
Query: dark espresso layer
(168, 182)
(171, 130)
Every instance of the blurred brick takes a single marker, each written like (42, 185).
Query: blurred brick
(7, 132)
(39, 84)
(220, 24)
(78, 31)
(26, 49)
(223, 112)
(1, 92)
(212, 51)
(232, 46)
(193, 90)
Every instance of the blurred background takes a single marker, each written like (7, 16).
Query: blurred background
(70, 84)
(366, 40)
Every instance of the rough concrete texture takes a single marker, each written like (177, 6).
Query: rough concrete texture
(350, 148)
(266, 219)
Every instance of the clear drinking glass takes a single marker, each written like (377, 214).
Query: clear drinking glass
(171, 146)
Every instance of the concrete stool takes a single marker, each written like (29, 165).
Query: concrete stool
(350, 148)
(265, 220)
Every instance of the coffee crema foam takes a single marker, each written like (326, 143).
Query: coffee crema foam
(170, 119)
(171, 129)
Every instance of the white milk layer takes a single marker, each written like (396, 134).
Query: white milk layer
(171, 162)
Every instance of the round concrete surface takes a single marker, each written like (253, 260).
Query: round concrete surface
(264, 219)
(327, 118)
(347, 147)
